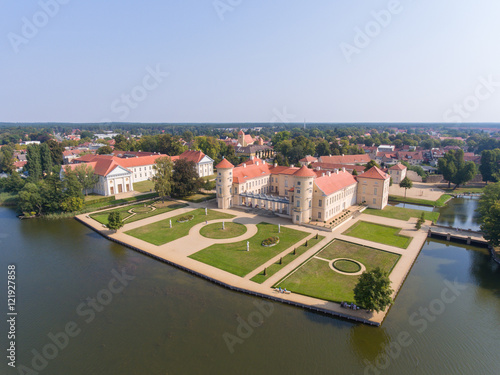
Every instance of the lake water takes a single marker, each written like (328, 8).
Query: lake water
(166, 321)
(459, 212)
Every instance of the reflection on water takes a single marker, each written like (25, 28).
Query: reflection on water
(412, 206)
(460, 213)
(167, 321)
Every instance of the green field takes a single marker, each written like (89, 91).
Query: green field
(401, 213)
(141, 211)
(144, 186)
(199, 197)
(8, 199)
(160, 233)
(273, 268)
(316, 279)
(234, 258)
(230, 230)
(424, 202)
(464, 190)
(383, 234)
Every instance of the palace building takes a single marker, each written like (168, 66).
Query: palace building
(302, 194)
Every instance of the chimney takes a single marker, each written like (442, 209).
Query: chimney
(292, 165)
(342, 155)
(244, 165)
(318, 169)
(329, 173)
(256, 163)
(275, 164)
(263, 162)
(330, 155)
(323, 174)
(251, 157)
(343, 169)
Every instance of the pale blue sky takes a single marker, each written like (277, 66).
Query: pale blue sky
(251, 62)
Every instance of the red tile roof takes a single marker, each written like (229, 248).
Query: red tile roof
(331, 167)
(398, 167)
(284, 170)
(308, 159)
(224, 164)
(102, 167)
(192, 155)
(345, 159)
(242, 174)
(106, 163)
(305, 172)
(335, 182)
(374, 173)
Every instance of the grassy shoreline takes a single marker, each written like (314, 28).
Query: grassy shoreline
(440, 202)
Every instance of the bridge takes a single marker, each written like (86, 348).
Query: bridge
(467, 236)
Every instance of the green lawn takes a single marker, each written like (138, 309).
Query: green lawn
(96, 203)
(160, 233)
(464, 189)
(425, 202)
(144, 186)
(199, 197)
(315, 278)
(234, 258)
(378, 233)
(401, 213)
(142, 212)
(230, 230)
(8, 199)
(272, 269)
(211, 177)
(94, 197)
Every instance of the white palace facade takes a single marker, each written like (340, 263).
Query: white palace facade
(303, 194)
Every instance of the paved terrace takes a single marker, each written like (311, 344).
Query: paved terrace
(177, 252)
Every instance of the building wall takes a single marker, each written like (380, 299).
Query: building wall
(302, 202)
(143, 172)
(223, 186)
(326, 207)
(205, 169)
(397, 175)
(374, 192)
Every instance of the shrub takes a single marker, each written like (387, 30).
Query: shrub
(185, 218)
(270, 241)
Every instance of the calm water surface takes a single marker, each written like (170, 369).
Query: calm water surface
(168, 322)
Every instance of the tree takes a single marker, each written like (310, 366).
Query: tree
(489, 213)
(56, 151)
(455, 169)
(489, 167)
(71, 185)
(163, 177)
(354, 173)
(30, 199)
(104, 150)
(185, 180)
(406, 183)
(420, 221)
(373, 290)
(86, 176)
(45, 158)
(114, 221)
(6, 160)
(34, 162)
(370, 164)
(323, 148)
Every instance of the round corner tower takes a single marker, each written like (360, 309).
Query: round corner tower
(224, 182)
(303, 193)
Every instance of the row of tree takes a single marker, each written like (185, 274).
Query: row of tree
(178, 179)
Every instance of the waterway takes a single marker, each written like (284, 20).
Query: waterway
(166, 321)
